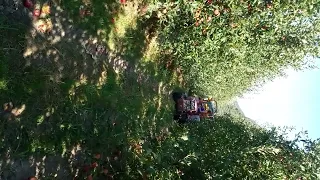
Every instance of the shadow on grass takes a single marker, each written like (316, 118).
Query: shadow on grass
(66, 114)
(100, 17)
(62, 107)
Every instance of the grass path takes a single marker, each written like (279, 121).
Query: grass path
(73, 107)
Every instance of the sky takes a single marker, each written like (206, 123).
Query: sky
(288, 101)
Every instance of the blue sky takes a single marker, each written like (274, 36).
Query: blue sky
(288, 101)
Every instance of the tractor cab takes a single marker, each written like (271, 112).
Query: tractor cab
(207, 108)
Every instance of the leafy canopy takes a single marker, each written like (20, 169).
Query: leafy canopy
(226, 47)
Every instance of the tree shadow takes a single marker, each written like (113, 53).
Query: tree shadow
(76, 106)
(100, 16)
(68, 113)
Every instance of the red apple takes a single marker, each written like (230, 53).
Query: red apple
(90, 177)
(28, 3)
(94, 165)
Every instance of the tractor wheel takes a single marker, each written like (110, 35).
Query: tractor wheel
(183, 118)
(177, 95)
(176, 117)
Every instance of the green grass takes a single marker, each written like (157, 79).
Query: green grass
(61, 109)
(103, 114)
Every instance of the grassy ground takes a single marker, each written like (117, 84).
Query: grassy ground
(69, 114)
(62, 109)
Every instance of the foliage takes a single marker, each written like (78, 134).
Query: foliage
(45, 119)
(123, 123)
(228, 148)
(226, 47)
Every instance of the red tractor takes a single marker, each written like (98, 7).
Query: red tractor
(190, 108)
